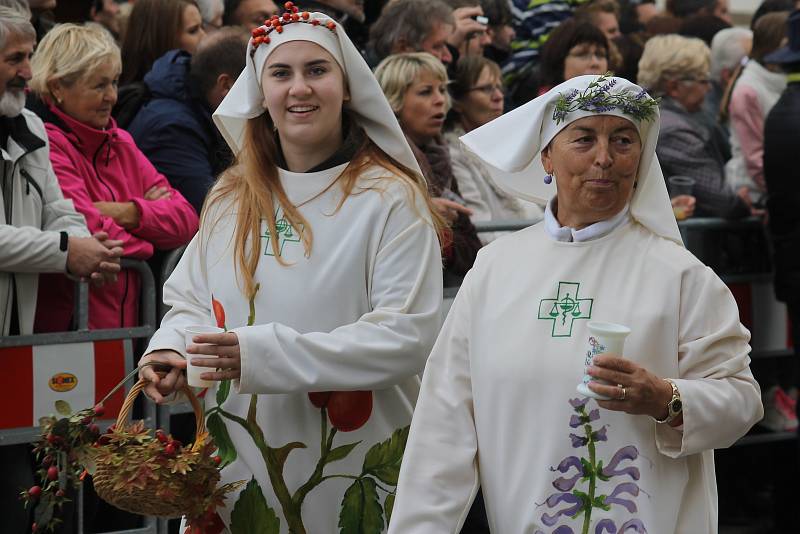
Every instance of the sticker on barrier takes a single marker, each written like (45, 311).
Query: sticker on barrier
(35, 377)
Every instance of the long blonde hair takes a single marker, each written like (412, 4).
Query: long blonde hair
(253, 184)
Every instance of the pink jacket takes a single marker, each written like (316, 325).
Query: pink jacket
(105, 165)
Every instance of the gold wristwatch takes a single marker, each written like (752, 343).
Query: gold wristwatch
(674, 406)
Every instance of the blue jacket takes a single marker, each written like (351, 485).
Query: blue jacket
(175, 131)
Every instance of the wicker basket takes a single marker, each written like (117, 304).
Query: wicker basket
(144, 500)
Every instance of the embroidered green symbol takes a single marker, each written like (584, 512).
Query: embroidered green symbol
(565, 308)
(285, 234)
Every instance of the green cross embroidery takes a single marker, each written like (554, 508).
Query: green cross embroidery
(565, 308)
(285, 234)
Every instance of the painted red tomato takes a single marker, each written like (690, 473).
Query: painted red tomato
(349, 410)
(219, 312)
(319, 399)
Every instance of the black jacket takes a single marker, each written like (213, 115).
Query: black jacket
(782, 174)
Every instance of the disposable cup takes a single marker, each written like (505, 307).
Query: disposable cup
(193, 372)
(603, 338)
(680, 185)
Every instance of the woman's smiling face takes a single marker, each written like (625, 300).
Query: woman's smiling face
(594, 161)
(304, 91)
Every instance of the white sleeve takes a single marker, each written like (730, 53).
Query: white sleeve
(467, 186)
(721, 399)
(383, 347)
(186, 291)
(439, 474)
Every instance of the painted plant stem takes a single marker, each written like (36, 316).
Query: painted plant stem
(587, 518)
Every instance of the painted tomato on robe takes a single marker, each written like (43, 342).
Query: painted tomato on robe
(219, 312)
(347, 410)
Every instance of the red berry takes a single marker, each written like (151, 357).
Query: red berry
(305, 15)
(315, 22)
(35, 492)
(178, 444)
(52, 472)
(161, 436)
(170, 449)
(33, 527)
(287, 17)
(331, 25)
(319, 399)
(94, 429)
(47, 460)
(99, 409)
(288, 5)
(266, 40)
(87, 420)
(52, 439)
(60, 493)
(217, 460)
(349, 410)
(295, 17)
(279, 29)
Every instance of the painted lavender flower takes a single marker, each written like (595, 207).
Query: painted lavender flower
(582, 479)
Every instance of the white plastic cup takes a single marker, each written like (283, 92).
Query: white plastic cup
(603, 338)
(680, 185)
(192, 371)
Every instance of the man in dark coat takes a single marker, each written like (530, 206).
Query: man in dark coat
(782, 175)
(174, 127)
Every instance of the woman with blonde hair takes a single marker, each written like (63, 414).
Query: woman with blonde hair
(318, 253)
(676, 69)
(416, 86)
(98, 166)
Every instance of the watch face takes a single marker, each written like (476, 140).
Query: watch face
(675, 406)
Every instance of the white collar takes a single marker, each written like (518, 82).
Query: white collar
(593, 231)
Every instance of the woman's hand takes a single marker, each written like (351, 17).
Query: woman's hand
(449, 209)
(125, 214)
(223, 350)
(644, 392)
(683, 206)
(158, 388)
(157, 193)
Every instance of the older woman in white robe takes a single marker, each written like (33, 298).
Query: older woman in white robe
(499, 407)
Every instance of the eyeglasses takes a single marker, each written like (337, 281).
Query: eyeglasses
(586, 56)
(703, 81)
(490, 88)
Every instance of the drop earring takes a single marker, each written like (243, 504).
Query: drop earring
(548, 179)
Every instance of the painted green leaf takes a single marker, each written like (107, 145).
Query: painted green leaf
(218, 430)
(340, 452)
(361, 512)
(383, 459)
(63, 407)
(388, 506)
(222, 391)
(252, 515)
(282, 453)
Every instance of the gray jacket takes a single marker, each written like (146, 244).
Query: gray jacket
(33, 213)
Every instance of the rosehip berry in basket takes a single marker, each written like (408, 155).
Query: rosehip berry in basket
(99, 409)
(94, 430)
(161, 436)
(170, 449)
(319, 399)
(349, 410)
(35, 492)
(47, 460)
(52, 472)
(60, 493)
(217, 460)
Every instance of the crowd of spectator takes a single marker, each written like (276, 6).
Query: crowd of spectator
(126, 94)
(109, 148)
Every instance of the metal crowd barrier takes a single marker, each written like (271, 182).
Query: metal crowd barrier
(39, 354)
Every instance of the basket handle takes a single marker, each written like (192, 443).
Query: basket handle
(186, 390)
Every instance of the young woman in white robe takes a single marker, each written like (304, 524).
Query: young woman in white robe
(499, 407)
(318, 370)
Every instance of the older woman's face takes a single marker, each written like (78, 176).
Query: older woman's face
(90, 99)
(594, 161)
(483, 102)
(423, 112)
(585, 58)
